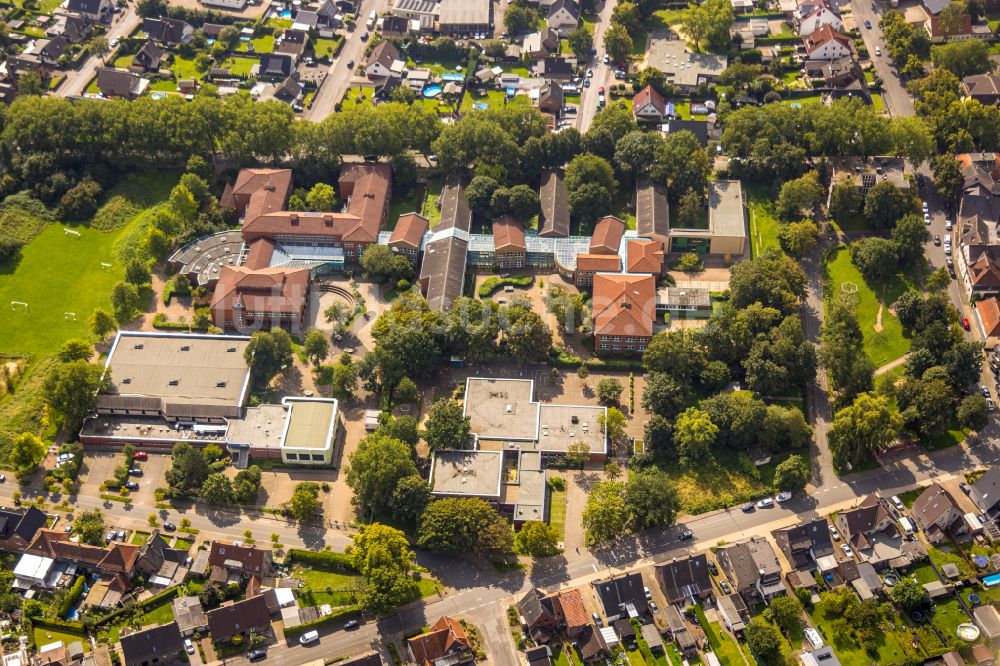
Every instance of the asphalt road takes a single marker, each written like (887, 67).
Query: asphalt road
(77, 80)
(603, 75)
(896, 97)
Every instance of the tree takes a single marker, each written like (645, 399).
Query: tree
(798, 238)
(876, 258)
(962, 58)
(246, 485)
(690, 209)
(651, 500)
(137, 273)
(446, 427)
(635, 153)
(613, 423)
(71, 390)
(973, 412)
(375, 468)
(609, 391)
(680, 354)
(709, 21)
(577, 454)
(772, 279)
(885, 204)
(480, 195)
(605, 516)
(89, 526)
(800, 196)
(617, 42)
(792, 474)
(764, 640)
(787, 613)
(30, 84)
(217, 489)
(658, 438)
(464, 525)
(125, 301)
(785, 428)
(75, 349)
(321, 198)
(526, 336)
(694, 434)
(519, 18)
(382, 555)
(316, 346)
(580, 42)
(740, 75)
(948, 179)
(305, 503)
(267, 354)
(410, 498)
(27, 452)
(739, 416)
(384, 266)
(589, 168)
(99, 48)
(909, 595)
(537, 539)
(627, 14)
(589, 203)
(690, 262)
(406, 391)
(862, 429)
(845, 200)
(910, 235)
(188, 470)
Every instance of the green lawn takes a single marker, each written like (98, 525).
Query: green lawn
(437, 67)
(878, 102)
(262, 44)
(589, 21)
(849, 650)
(124, 61)
(909, 497)
(327, 587)
(881, 346)
(924, 573)
(763, 223)
(139, 538)
(239, 66)
(323, 46)
(493, 99)
(46, 635)
(721, 482)
(182, 544)
(953, 435)
(723, 645)
(183, 68)
(948, 614)
(941, 556)
(557, 512)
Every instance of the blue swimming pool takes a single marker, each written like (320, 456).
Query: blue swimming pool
(481, 106)
(431, 92)
(158, 95)
(992, 580)
(458, 78)
(285, 14)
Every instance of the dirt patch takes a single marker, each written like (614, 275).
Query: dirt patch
(878, 319)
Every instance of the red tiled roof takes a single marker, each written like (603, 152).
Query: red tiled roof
(984, 273)
(989, 315)
(262, 290)
(824, 34)
(507, 233)
(409, 231)
(367, 186)
(648, 95)
(597, 262)
(446, 636)
(260, 190)
(645, 256)
(250, 560)
(624, 305)
(573, 609)
(936, 31)
(607, 236)
(259, 253)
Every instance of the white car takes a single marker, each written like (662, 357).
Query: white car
(847, 550)
(834, 533)
(927, 218)
(645, 590)
(947, 248)
(189, 646)
(590, 73)
(898, 503)
(783, 496)
(947, 225)
(765, 503)
(605, 59)
(925, 206)
(878, 50)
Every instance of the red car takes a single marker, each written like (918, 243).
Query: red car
(601, 90)
(965, 323)
(141, 455)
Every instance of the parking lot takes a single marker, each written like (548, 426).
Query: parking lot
(99, 466)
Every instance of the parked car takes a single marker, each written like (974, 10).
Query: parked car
(140, 455)
(132, 485)
(847, 550)
(947, 248)
(653, 607)
(925, 206)
(868, 24)
(120, 535)
(964, 486)
(686, 534)
(878, 50)
(169, 527)
(834, 533)
(947, 225)
(257, 655)
(713, 568)
(109, 537)
(135, 471)
(927, 218)
(597, 619)
(351, 624)
(350, 64)
(783, 496)
(309, 637)
(724, 585)
(647, 593)
(985, 391)
(965, 323)
(586, 83)
(990, 405)
(898, 503)
(747, 508)
(606, 59)
(937, 239)
(590, 73)
(188, 646)
(765, 503)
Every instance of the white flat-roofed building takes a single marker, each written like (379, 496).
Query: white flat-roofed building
(310, 430)
(32, 571)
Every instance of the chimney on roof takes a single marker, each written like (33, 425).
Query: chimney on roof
(294, 217)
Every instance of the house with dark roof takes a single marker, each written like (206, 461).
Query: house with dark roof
(120, 83)
(147, 59)
(699, 128)
(545, 615)
(984, 88)
(442, 268)
(395, 26)
(591, 644)
(373, 658)
(805, 543)
(18, 528)
(564, 16)
(648, 104)
(553, 221)
(96, 11)
(294, 43)
(753, 568)
(239, 619)
(540, 44)
(869, 528)
(71, 26)
(384, 61)
(685, 581)
(275, 67)
(550, 98)
(155, 645)
(652, 212)
(936, 513)
(623, 596)
(985, 492)
(238, 561)
(538, 656)
(189, 615)
(679, 632)
(446, 642)
(167, 30)
(559, 69)
(733, 612)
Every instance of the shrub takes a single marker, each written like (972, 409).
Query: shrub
(115, 213)
(491, 284)
(326, 559)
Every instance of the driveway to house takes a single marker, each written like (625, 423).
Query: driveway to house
(76, 81)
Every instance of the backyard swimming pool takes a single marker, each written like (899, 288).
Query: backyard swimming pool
(285, 14)
(457, 78)
(991, 580)
(431, 92)
(158, 95)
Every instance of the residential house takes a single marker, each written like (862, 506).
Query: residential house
(95, 11)
(753, 568)
(538, 656)
(733, 612)
(384, 61)
(239, 619)
(984, 88)
(623, 596)
(589, 265)
(648, 104)
(837, 74)
(147, 59)
(559, 69)
(408, 235)
(699, 128)
(508, 243)
(607, 236)
(805, 543)
(545, 615)
(294, 43)
(447, 640)
(679, 632)
(624, 310)
(235, 562)
(156, 645)
(550, 98)
(189, 615)
(590, 643)
(988, 320)
(541, 44)
(49, 51)
(74, 28)
(824, 656)
(825, 43)
(395, 26)
(553, 221)
(416, 10)
(985, 492)
(870, 529)
(936, 513)
(275, 67)
(685, 581)
(18, 528)
(938, 33)
(167, 30)
(820, 15)
(290, 90)
(56, 653)
(564, 16)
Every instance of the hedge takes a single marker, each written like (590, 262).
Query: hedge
(71, 597)
(339, 614)
(155, 600)
(160, 322)
(491, 284)
(326, 559)
(561, 359)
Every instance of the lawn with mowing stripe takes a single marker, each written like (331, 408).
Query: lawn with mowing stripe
(763, 222)
(557, 512)
(841, 274)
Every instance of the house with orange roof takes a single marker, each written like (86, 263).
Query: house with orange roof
(589, 265)
(607, 236)
(508, 243)
(644, 256)
(446, 642)
(624, 310)
(988, 319)
(260, 298)
(648, 104)
(408, 235)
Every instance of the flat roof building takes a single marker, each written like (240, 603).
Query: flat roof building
(465, 16)
(727, 228)
(310, 428)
